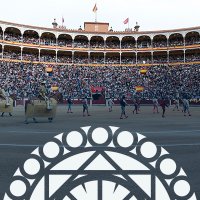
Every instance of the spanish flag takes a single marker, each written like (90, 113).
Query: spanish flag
(49, 69)
(95, 89)
(143, 71)
(95, 8)
(54, 88)
(139, 88)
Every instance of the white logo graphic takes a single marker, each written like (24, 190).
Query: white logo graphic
(100, 163)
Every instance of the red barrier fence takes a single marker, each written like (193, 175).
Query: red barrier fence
(102, 101)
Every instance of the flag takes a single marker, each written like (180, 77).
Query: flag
(49, 69)
(54, 88)
(62, 20)
(95, 8)
(139, 88)
(126, 21)
(95, 89)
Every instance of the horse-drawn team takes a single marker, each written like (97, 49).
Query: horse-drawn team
(42, 106)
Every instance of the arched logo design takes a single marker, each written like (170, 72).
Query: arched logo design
(100, 163)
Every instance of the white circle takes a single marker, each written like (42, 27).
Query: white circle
(32, 166)
(51, 149)
(148, 150)
(125, 139)
(182, 188)
(18, 188)
(100, 135)
(168, 166)
(74, 139)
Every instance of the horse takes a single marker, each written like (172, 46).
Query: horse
(38, 108)
(4, 108)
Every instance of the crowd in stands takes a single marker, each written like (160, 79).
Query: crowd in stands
(144, 60)
(48, 58)
(30, 57)
(96, 44)
(160, 59)
(144, 44)
(176, 42)
(64, 59)
(13, 37)
(12, 55)
(24, 79)
(128, 45)
(81, 44)
(112, 60)
(128, 60)
(50, 42)
(192, 40)
(176, 58)
(159, 43)
(79, 59)
(65, 43)
(110, 44)
(96, 60)
(192, 57)
(30, 40)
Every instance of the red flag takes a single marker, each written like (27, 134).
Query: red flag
(95, 89)
(95, 8)
(126, 21)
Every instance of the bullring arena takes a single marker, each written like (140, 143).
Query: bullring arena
(99, 63)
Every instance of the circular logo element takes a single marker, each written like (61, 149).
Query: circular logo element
(100, 163)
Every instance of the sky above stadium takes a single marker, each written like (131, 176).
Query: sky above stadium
(150, 14)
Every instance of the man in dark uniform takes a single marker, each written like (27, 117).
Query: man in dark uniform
(69, 102)
(163, 105)
(136, 106)
(123, 105)
(85, 106)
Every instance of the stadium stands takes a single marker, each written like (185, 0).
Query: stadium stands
(171, 57)
(23, 79)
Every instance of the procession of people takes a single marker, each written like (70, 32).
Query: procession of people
(163, 103)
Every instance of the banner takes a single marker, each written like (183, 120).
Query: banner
(143, 71)
(54, 88)
(139, 88)
(49, 69)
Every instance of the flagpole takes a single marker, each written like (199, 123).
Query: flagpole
(96, 13)
(128, 23)
(96, 16)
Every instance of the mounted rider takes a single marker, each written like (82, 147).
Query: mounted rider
(5, 95)
(43, 94)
